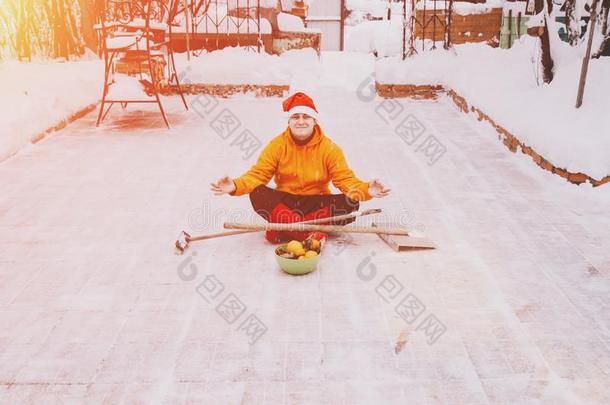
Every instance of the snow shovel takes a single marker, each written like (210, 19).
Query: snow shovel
(402, 243)
(182, 243)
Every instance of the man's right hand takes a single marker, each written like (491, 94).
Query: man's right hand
(224, 185)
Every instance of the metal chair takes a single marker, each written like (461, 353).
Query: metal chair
(133, 35)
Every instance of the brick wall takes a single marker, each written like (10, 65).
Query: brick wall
(464, 28)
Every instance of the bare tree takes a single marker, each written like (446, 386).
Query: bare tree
(22, 34)
(604, 46)
(585, 60)
(604, 16)
(87, 19)
(66, 38)
(42, 28)
(548, 66)
(572, 22)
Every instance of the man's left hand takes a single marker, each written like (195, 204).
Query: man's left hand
(377, 190)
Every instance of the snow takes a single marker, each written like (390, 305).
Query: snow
(323, 18)
(535, 20)
(289, 22)
(233, 65)
(516, 7)
(383, 37)
(300, 69)
(126, 88)
(37, 96)
(288, 5)
(376, 8)
(543, 117)
(92, 308)
(126, 41)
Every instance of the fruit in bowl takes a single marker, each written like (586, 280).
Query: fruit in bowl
(299, 257)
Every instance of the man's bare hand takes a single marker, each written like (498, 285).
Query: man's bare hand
(223, 186)
(377, 190)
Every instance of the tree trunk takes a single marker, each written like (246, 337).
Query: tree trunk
(74, 31)
(572, 25)
(545, 43)
(604, 14)
(87, 19)
(604, 46)
(585, 60)
(23, 43)
(66, 38)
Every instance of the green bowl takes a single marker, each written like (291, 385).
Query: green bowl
(297, 267)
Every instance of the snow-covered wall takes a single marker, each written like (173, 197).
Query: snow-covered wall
(36, 96)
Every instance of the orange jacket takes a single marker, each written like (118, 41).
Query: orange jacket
(303, 169)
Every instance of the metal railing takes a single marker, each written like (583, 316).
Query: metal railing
(428, 25)
(236, 21)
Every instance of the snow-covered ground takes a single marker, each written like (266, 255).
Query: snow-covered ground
(541, 116)
(93, 308)
(502, 83)
(234, 65)
(37, 96)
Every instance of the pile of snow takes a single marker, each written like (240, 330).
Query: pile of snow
(375, 8)
(503, 84)
(234, 65)
(126, 87)
(371, 10)
(288, 5)
(381, 37)
(301, 69)
(290, 23)
(37, 96)
(345, 70)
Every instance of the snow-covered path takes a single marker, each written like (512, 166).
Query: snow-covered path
(95, 307)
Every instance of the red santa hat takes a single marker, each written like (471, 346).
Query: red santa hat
(300, 103)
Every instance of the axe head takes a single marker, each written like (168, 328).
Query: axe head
(182, 242)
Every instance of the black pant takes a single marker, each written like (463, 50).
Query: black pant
(282, 207)
(264, 200)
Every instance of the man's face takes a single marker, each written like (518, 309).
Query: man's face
(301, 126)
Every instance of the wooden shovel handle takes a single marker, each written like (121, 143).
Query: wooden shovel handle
(321, 228)
(310, 221)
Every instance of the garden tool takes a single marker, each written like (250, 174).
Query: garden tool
(184, 238)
